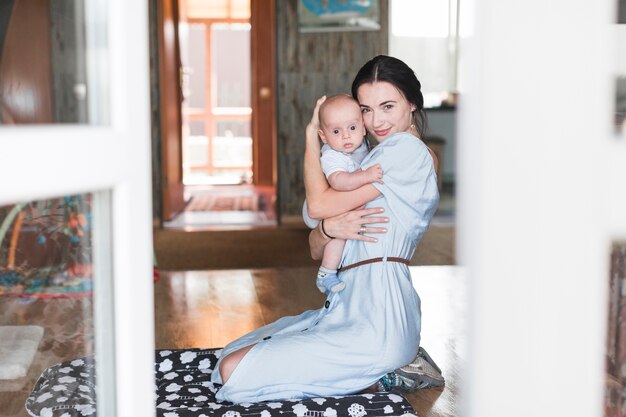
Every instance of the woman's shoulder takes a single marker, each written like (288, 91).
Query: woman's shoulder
(401, 142)
(405, 139)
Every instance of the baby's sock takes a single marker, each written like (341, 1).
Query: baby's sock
(322, 274)
(327, 280)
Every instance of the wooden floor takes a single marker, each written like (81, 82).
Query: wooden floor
(210, 308)
(68, 334)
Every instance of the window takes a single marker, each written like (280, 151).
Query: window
(215, 54)
(424, 34)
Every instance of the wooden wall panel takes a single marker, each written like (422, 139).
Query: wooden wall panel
(615, 379)
(69, 61)
(170, 110)
(155, 114)
(25, 70)
(310, 65)
(263, 45)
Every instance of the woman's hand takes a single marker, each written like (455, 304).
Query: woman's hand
(355, 225)
(311, 132)
(314, 124)
(315, 183)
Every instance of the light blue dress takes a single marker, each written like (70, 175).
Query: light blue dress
(371, 327)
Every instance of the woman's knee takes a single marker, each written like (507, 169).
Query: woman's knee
(230, 362)
(227, 365)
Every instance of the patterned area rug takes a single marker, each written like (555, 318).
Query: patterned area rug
(76, 281)
(243, 197)
(184, 389)
(213, 202)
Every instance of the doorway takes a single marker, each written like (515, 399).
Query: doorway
(227, 157)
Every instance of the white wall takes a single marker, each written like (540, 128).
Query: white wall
(619, 42)
(540, 197)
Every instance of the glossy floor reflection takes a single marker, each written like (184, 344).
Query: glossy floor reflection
(68, 334)
(210, 308)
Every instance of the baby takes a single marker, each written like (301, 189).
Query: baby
(342, 131)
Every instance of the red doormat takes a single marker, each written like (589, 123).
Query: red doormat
(217, 202)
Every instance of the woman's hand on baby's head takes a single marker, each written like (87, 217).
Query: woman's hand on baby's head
(314, 124)
(375, 173)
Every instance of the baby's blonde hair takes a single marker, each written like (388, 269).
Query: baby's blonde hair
(335, 99)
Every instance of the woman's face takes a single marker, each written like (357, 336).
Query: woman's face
(385, 109)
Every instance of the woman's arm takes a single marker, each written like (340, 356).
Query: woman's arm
(322, 200)
(435, 160)
(348, 181)
(346, 226)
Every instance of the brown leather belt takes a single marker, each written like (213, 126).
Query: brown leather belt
(373, 260)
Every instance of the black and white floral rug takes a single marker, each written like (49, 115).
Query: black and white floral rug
(184, 389)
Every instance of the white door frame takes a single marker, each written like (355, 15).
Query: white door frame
(55, 160)
(541, 196)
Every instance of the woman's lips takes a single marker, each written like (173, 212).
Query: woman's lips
(382, 132)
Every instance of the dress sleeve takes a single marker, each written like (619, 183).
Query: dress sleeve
(333, 161)
(310, 222)
(410, 181)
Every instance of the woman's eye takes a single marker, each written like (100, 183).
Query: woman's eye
(388, 107)
(364, 110)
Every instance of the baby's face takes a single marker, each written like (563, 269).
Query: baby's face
(342, 126)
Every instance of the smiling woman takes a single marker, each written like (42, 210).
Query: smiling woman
(385, 110)
(391, 100)
(313, 354)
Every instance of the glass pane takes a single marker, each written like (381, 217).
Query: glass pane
(239, 128)
(230, 57)
(195, 148)
(193, 55)
(232, 152)
(240, 9)
(196, 151)
(196, 128)
(48, 68)
(46, 303)
(218, 9)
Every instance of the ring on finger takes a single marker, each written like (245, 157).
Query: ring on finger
(362, 231)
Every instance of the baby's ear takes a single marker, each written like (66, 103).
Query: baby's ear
(320, 132)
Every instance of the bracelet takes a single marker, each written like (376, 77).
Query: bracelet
(324, 231)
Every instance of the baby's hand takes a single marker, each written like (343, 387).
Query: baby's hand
(374, 173)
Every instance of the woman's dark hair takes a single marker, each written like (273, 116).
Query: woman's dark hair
(400, 75)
